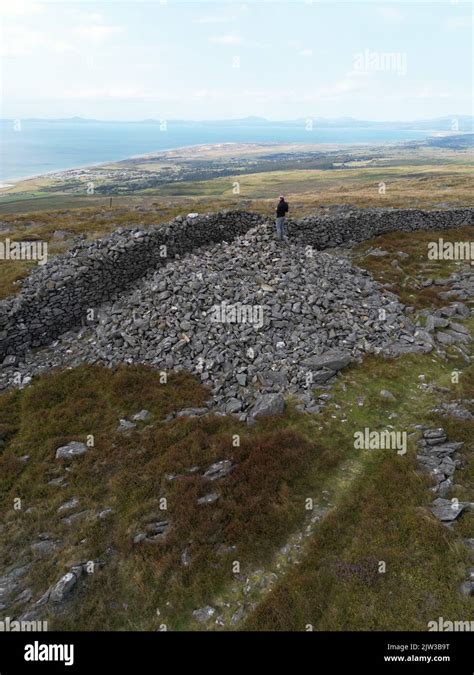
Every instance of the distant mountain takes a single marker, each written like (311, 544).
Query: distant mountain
(448, 123)
(454, 123)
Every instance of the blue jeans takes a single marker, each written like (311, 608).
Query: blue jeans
(280, 226)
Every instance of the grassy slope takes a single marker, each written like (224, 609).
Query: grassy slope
(380, 515)
(261, 500)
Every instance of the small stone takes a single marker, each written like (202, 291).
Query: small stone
(69, 520)
(435, 436)
(141, 416)
(467, 588)
(9, 360)
(71, 450)
(192, 412)
(44, 548)
(185, 558)
(233, 406)
(204, 614)
(105, 513)
(125, 425)
(67, 506)
(218, 470)
(58, 482)
(238, 615)
(211, 498)
(387, 395)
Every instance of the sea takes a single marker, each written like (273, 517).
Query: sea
(36, 147)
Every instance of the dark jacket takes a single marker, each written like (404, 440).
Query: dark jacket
(282, 208)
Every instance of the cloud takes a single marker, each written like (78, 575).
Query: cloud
(226, 40)
(392, 14)
(306, 52)
(96, 93)
(61, 47)
(237, 41)
(460, 21)
(429, 91)
(340, 88)
(214, 19)
(21, 8)
(88, 17)
(97, 33)
(21, 41)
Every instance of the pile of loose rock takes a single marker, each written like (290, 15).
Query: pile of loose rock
(56, 297)
(253, 318)
(438, 458)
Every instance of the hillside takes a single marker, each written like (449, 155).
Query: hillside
(161, 470)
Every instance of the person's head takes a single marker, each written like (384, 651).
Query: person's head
(282, 199)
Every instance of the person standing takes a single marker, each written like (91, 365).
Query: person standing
(281, 211)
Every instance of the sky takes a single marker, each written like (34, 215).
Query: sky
(171, 59)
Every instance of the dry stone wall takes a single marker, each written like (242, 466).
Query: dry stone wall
(57, 296)
(358, 225)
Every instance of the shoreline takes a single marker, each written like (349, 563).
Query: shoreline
(8, 183)
(13, 181)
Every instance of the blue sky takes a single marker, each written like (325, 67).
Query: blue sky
(215, 60)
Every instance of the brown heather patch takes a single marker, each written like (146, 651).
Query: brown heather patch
(405, 279)
(260, 502)
(380, 518)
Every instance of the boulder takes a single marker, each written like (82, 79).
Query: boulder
(63, 587)
(332, 360)
(268, 404)
(446, 510)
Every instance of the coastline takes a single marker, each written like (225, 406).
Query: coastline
(12, 182)
(148, 155)
(6, 183)
(9, 185)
